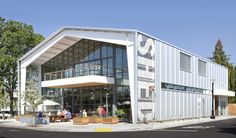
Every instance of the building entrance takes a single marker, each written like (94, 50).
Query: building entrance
(88, 98)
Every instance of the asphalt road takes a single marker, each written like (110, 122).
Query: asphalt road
(219, 129)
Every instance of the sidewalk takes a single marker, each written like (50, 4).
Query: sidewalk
(69, 127)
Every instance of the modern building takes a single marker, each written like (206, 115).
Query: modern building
(82, 68)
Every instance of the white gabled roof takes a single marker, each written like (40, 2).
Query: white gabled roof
(64, 42)
(65, 37)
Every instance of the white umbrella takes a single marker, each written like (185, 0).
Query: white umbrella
(126, 102)
(49, 102)
(47, 105)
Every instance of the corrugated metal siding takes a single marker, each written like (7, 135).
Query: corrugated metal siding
(171, 73)
(176, 104)
(180, 105)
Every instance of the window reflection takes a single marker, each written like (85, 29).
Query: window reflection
(88, 57)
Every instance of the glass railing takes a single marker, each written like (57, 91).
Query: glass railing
(84, 70)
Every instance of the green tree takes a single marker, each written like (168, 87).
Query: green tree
(231, 77)
(235, 78)
(219, 55)
(16, 39)
(32, 96)
(4, 100)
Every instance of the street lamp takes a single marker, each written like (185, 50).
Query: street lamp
(212, 102)
(107, 94)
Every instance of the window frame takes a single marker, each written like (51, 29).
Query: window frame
(190, 57)
(199, 73)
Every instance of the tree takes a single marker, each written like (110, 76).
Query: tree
(220, 57)
(235, 78)
(4, 100)
(16, 39)
(32, 96)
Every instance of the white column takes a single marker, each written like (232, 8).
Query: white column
(18, 87)
(131, 53)
(22, 88)
(39, 79)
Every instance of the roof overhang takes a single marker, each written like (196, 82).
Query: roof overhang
(57, 48)
(83, 81)
(67, 36)
(224, 93)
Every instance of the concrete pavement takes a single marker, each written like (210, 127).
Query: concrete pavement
(69, 127)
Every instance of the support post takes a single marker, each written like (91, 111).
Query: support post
(212, 110)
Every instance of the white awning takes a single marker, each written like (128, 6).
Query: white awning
(224, 93)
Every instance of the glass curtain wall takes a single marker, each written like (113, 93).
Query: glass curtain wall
(88, 57)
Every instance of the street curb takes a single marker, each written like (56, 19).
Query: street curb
(138, 128)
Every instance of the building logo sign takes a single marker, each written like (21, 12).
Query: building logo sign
(145, 77)
(145, 47)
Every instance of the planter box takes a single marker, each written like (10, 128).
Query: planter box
(95, 120)
(232, 109)
(110, 120)
(33, 121)
(80, 121)
(30, 121)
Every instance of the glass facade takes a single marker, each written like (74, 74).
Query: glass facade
(89, 57)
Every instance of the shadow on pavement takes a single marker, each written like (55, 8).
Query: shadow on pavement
(230, 130)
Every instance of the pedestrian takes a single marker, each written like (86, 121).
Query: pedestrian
(99, 111)
(80, 113)
(103, 111)
(84, 114)
(40, 117)
(68, 115)
(59, 113)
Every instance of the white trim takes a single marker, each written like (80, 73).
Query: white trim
(224, 93)
(77, 81)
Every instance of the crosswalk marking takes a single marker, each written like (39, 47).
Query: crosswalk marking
(177, 130)
(198, 127)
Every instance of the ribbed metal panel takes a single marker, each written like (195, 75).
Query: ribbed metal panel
(177, 104)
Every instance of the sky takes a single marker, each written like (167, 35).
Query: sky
(194, 25)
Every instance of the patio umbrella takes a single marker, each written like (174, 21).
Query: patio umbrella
(127, 103)
(47, 105)
(49, 102)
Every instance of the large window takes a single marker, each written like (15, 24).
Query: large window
(88, 57)
(201, 67)
(185, 62)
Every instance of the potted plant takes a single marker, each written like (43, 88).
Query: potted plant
(120, 113)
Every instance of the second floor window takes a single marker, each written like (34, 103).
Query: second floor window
(185, 62)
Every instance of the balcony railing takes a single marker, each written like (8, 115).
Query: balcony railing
(79, 71)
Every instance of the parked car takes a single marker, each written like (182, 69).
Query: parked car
(5, 115)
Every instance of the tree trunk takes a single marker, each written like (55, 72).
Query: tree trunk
(11, 102)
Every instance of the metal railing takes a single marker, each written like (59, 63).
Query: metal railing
(85, 70)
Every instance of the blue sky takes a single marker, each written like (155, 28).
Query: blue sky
(194, 25)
